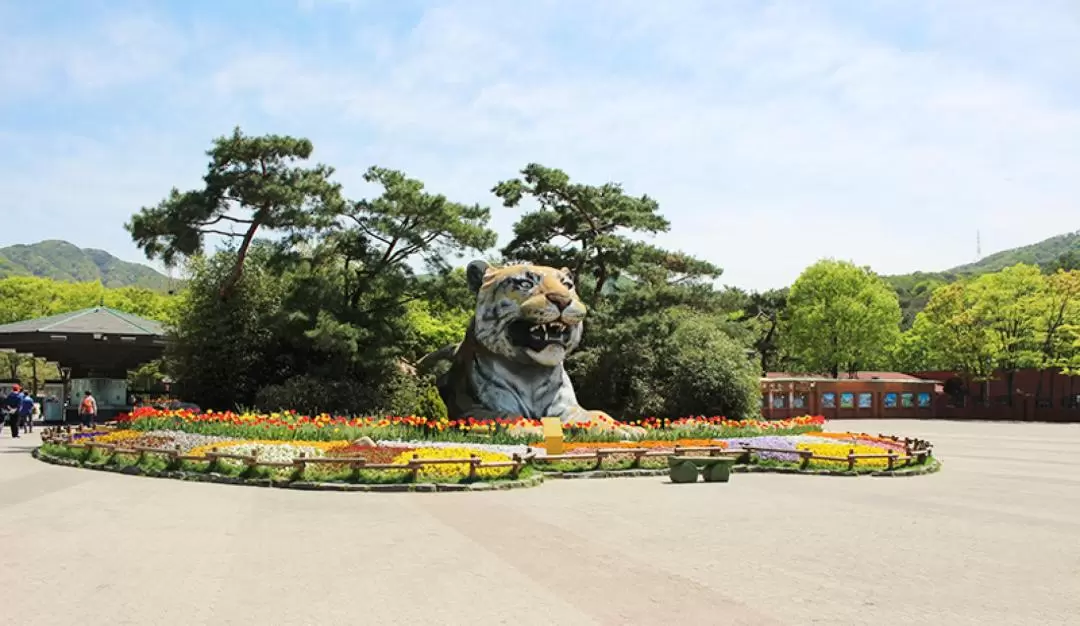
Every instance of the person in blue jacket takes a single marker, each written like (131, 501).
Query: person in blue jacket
(11, 409)
(26, 412)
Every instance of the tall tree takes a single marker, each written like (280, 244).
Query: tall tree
(640, 298)
(841, 318)
(1008, 304)
(405, 223)
(353, 312)
(222, 352)
(1002, 321)
(763, 313)
(252, 185)
(948, 334)
(1057, 311)
(588, 229)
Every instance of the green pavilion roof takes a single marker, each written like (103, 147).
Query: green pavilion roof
(96, 320)
(98, 341)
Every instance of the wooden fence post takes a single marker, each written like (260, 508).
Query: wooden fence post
(892, 459)
(473, 462)
(851, 460)
(414, 467)
(516, 469)
(300, 465)
(804, 461)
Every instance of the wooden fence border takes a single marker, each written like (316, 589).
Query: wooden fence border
(914, 450)
(414, 466)
(917, 450)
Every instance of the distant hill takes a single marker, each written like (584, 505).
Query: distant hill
(914, 289)
(61, 260)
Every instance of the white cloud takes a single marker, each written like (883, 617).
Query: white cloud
(771, 136)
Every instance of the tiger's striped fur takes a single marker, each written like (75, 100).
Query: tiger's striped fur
(492, 374)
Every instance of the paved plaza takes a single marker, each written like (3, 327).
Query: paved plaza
(992, 539)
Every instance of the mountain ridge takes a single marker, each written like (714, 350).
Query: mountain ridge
(61, 260)
(914, 288)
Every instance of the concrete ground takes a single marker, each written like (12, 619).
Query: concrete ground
(992, 539)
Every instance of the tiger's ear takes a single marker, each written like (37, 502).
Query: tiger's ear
(475, 274)
(570, 274)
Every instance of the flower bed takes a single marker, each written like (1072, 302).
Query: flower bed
(312, 449)
(785, 452)
(288, 461)
(288, 425)
(652, 444)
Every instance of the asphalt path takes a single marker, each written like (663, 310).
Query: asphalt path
(994, 538)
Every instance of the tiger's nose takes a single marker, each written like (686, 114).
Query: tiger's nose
(560, 300)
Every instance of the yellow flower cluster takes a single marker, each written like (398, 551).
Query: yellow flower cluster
(454, 471)
(118, 436)
(842, 450)
(229, 447)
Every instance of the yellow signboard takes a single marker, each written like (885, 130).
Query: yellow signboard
(553, 435)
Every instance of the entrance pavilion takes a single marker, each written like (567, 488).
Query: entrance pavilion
(94, 347)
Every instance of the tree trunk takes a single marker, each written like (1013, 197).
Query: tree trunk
(238, 268)
(601, 280)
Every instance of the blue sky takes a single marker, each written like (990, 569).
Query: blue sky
(772, 133)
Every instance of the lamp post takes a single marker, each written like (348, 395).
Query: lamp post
(65, 381)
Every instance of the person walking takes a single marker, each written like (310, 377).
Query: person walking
(26, 412)
(11, 409)
(88, 409)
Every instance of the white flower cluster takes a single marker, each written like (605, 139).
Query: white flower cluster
(187, 441)
(275, 453)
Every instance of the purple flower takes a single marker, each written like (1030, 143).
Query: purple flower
(780, 443)
(88, 435)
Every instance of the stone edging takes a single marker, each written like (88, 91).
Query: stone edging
(132, 470)
(917, 470)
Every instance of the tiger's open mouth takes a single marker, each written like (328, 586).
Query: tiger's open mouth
(526, 334)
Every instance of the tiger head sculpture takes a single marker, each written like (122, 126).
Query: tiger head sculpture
(526, 313)
(528, 319)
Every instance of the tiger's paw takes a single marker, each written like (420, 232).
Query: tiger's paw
(598, 422)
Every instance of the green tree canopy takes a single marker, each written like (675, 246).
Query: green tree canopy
(588, 229)
(654, 314)
(252, 185)
(841, 318)
(334, 313)
(1003, 321)
(222, 352)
